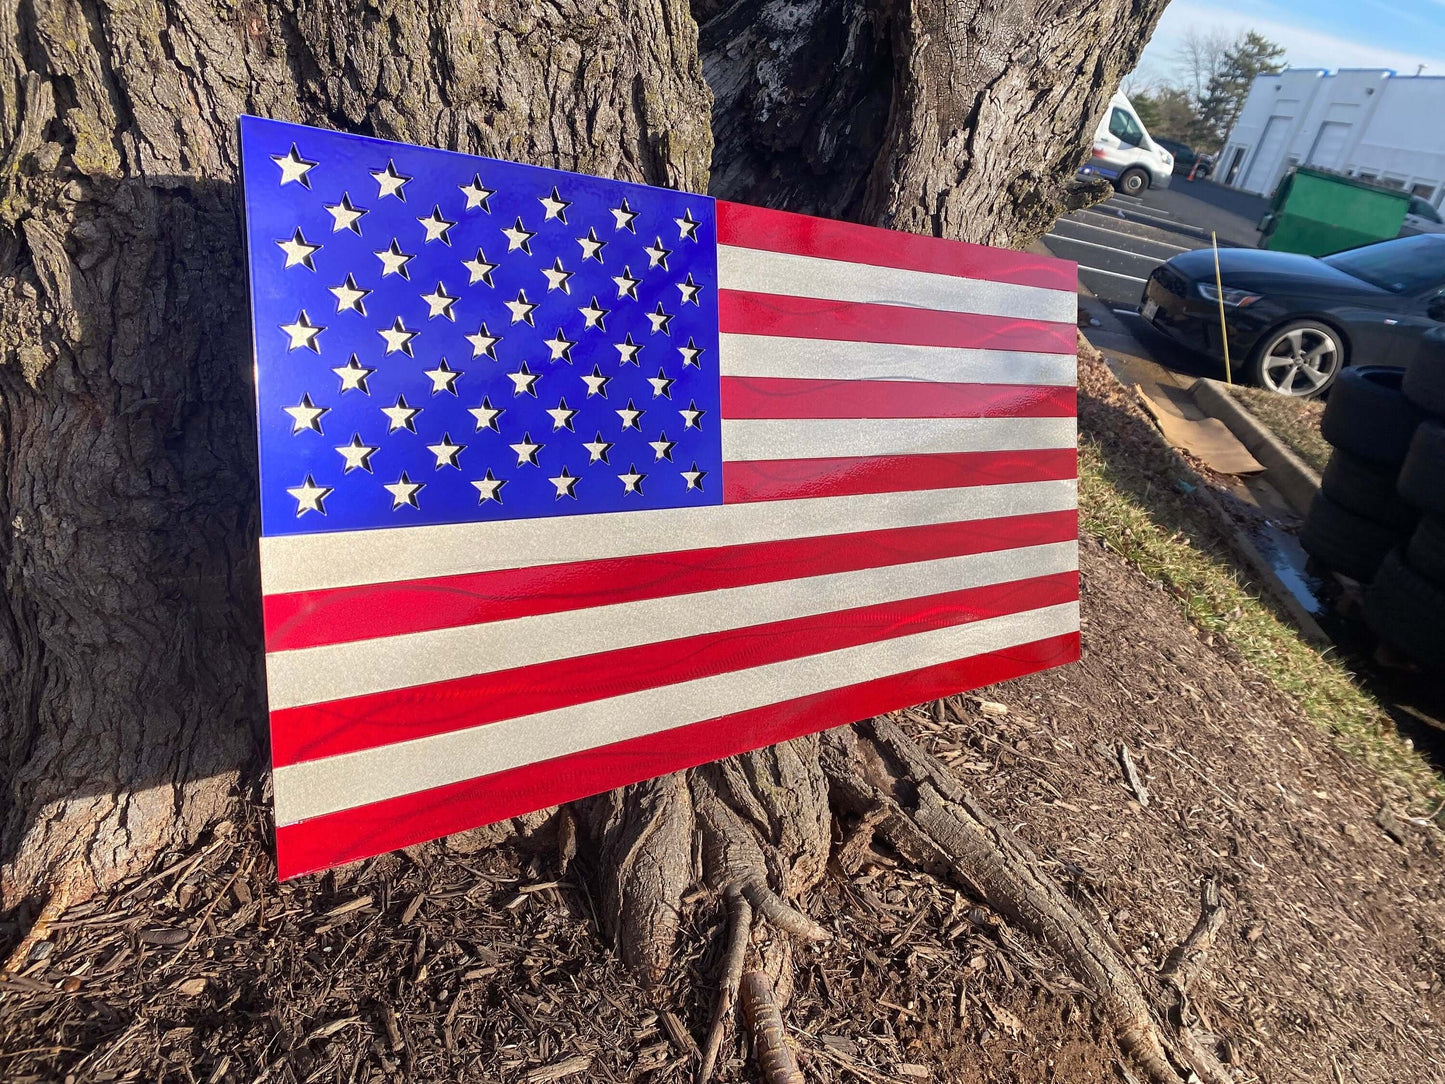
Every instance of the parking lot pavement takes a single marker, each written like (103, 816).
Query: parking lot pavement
(1117, 244)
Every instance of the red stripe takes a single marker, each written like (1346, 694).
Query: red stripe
(783, 397)
(847, 321)
(399, 822)
(785, 479)
(780, 231)
(343, 614)
(419, 711)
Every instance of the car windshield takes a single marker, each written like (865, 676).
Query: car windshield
(1406, 265)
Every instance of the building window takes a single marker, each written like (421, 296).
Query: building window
(1393, 182)
(1366, 176)
(1424, 191)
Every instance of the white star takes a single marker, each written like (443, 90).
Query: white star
(446, 452)
(519, 238)
(597, 449)
(436, 227)
(521, 308)
(561, 347)
(663, 447)
(353, 376)
(298, 251)
(526, 451)
(490, 488)
(659, 320)
(303, 333)
(596, 383)
(626, 284)
(524, 381)
(439, 302)
(483, 342)
(305, 415)
(657, 255)
(591, 246)
(443, 378)
(397, 338)
(357, 455)
(401, 416)
(688, 225)
(345, 216)
(404, 491)
(478, 269)
(349, 296)
(661, 385)
(477, 194)
(486, 415)
(394, 261)
(557, 277)
(631, 416)
(628, 350)
(690, 353)
(309, 495)
(390, 182)
(562, 416)
(632, 481)
(566, 484)
(593, 315)
(624, 216)
(691, 416)
(689, 291)
(294, 168)
(694, 477)
(556, 206)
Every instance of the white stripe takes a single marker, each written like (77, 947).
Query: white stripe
(316, 787)
(828, 359)
(760, 271)
(825, 438)
(316, 674)
(351, 558)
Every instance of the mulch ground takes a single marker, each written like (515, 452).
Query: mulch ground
(488, 966)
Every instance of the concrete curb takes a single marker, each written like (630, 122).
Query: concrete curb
(1242, 544)
(1295, 480)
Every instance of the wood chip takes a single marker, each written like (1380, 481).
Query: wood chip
(1131, 775)
(162, 935)
(347, 907)
(914, 1072)
(412, 908)
(579, 1063)
(678, 1034)
(192, 987)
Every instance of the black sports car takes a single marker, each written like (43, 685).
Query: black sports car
(1294, 321)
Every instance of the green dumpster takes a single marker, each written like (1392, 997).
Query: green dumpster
(1317, 212)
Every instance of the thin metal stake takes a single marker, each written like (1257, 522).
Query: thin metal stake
(1219, 290)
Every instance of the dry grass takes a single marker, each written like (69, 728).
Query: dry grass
(1131, 499)
(1294, 421)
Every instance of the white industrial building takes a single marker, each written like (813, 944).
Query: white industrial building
(1367, 122)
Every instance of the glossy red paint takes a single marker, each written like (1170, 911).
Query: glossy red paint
(781, 231)
(399, 822)
(809, 318)
(341, 615)
(783, 397)
(785, 479)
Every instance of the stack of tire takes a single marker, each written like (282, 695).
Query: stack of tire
(1405, 602)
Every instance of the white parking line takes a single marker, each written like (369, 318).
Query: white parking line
(1106, 248)
(1162, 221)
(1117, 233)
(1135, 201)
(1111, 274)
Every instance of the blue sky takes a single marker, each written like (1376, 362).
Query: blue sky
(1399, 34)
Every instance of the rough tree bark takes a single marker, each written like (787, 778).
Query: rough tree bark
(129, 645)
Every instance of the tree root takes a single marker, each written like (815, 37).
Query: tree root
(932, 821)
(740, 923)
(770, 1042)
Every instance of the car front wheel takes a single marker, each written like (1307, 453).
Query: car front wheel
(1300, 359)
(1133, 181)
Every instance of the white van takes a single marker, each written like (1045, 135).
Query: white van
(1125, 154)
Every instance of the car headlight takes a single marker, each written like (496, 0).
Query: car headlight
(1235, 299)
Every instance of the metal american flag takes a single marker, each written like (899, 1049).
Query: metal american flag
(567, 483)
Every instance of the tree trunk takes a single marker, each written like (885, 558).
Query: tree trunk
(130, 655)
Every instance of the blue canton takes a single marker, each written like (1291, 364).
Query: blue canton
(442, 338)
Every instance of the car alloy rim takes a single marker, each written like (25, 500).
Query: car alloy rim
(1300, 362)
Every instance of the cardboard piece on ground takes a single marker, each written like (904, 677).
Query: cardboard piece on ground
(1208, 439)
